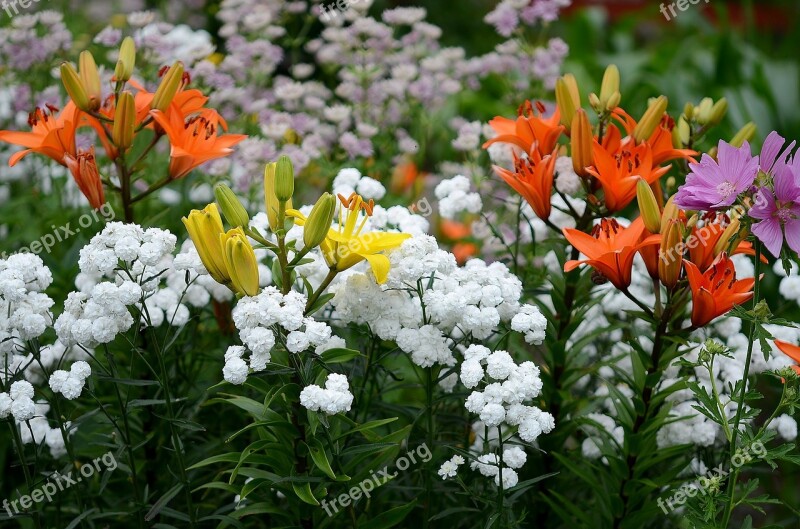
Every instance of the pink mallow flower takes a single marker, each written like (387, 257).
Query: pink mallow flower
(778, 211)
(713, 184)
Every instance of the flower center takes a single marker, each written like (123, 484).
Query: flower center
(784, 213)
(726, 189)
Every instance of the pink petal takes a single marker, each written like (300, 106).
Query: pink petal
(769, 232)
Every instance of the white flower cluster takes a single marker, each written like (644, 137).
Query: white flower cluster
(334, 398)
(454, 197)
(449, 468)
(99, 317)
(592, 447)
(24, 308)
(70, 383)
(255, 318)
(513, 459)
(127, 243)
(531, 322)
(472, 300)
(507, 386)
(18, 402)
(567, 181)
(350, 180)
(790, 285)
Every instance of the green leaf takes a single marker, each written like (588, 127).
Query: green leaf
(317, 451)
(339, 355)
(163, 501)
(303, 491)
(390, 518)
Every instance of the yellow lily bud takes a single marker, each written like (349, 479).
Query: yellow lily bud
(703, 110)
(126, 61)
(572, 84)
(681, 133)
(718, 111)
(651, 119)
(671, 212)
(728, 236)
(270, 198)
(233, 210)
(205, 227)
(284, 179)
(670, 255)
(319, 221)
(746, 133)
(582, 143)
(610, 85)
(594, 102)
(693, 221)
(688, 111)
(90, 78)
(566, 102)
(124, 121)
(613, 101)
(670, 184)
(241, 262)
(648, 206)
(169, 86)
(74, 86)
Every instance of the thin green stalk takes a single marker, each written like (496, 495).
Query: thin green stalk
(25, 470)
(430, 435)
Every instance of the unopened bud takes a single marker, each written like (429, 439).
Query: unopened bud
(729, 235)
(124, 121)
(671, 212)
(284, 179)
(688, 111)
(703, 111)
(746, 133)
(670, 255)
(319, 221)
(651, 119)
(681, 133)
(610, 85)
(74, 87)
(613, 101)
(648, 206)
(231, 207)
(718, 112)
(566, 104)
(90, 78)
(582, 143)
(594, 102)
(126, 61)
(169, 86)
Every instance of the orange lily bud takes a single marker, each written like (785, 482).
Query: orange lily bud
(648, 206)
(90, 78)
(746, 133)
(168, 88)
(84, 171)
(581, 141)
(671, 212)
(566, 102)
(652, 117)
(124, 121)
(724, 242)
(670, 255)
(74, 86)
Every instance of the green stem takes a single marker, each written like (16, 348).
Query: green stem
(430, 435)
(332, 273)
(25, 470)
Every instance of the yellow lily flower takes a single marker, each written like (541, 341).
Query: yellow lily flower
(347, 244)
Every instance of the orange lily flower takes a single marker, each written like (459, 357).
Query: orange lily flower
(528, 131)
(792, 351)
(716, 291)
(457, 231)
(51, 135)
(84, 171)
(702, 241)
(532, 178)
(195, 141)
(619, 171)
(660, 141)
(610, 249)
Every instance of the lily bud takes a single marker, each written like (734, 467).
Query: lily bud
(728, 236)
(651, 119)
(270, 199)
(648, 206)
(241, 262)
(205, 227)
(582, 143)
(703, 110)
(610, 86)
(718, 111)
(284, 179)
(688, 111)
(670, 184)
(746, 133)
(319, 221)
(124, 121)
(74, 87)
(594, 102)
(90, 78)
(84, 170)
(126, 61)
(670, 255)
(565, 101)
(692, 222)
(613, 101)
(233, 210)
(671, 212)
(169, 86)
(681, 133)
